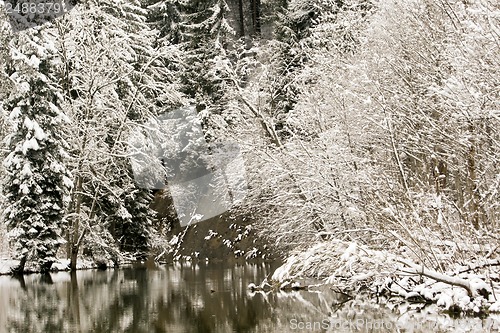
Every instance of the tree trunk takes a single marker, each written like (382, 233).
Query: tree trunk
(73, 257)
(74, 233)
(19, 269)
(472, 190)
(256, 16)
(242, 18)
(45, 268)
(474, 199)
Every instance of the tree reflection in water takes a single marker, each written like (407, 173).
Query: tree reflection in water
(178, 298)
(186, 297)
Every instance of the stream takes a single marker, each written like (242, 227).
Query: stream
(204, 298)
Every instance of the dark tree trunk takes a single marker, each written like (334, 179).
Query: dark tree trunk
(73, 257)
(45, 267)
(19, 269)
(256, 16)
(242, 18)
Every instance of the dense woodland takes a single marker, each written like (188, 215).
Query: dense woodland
(366, 127)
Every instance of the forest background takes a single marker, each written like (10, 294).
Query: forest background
(366, 127)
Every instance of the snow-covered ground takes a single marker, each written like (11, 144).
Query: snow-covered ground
(6, 265)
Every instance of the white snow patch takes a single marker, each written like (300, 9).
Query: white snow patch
(349, 251)
(174, 240)
(283, 272)
(211, 234)
(16, 112)
(495, 307)
(26, 171)
(478, 284)
(56, 167)
(24, 87)
(6, 265)
(30, 144)
(123, 213)
(39, 133)
(67, 182)
(445, 301)
(54, 108)
(61, 265)
(24, 189)
(28, 123)
(34, 61)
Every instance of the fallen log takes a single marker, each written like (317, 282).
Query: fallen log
(474, 288)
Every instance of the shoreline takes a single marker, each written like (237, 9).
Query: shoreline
(449, 299)
(473, 290)
(62, 265)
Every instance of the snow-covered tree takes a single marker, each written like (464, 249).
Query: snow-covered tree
(5, 36)
(5, 83)
(134, 226)
(398, 127)
(165, 17)
(37, 179)
(205, 38)
(121, 78)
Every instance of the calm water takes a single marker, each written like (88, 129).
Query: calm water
(198, 298)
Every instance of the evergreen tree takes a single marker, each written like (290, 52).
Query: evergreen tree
(134, 228)
(297, 39)
(37, 180)
(292, 28)
(5, 84)
(205, 38)
(165, 17)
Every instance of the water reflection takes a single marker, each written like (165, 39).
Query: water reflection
(193, 298)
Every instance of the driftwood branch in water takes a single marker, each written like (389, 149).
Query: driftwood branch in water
(451, 280)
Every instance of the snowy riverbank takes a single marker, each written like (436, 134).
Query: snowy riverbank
(6, 266)
(472, 289)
